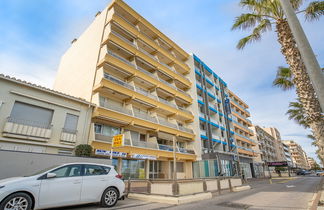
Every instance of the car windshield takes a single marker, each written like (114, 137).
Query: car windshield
(42, 171)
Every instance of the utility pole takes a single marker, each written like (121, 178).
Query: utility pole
(312, 67)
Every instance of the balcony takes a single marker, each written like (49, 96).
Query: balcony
(153, 45)
(167, 123)
(27, 129)
(168, 102)
(145, 144)
(131, 68)
(189, 130)
(145, 116)
(68, 136)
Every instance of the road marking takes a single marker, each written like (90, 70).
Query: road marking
(290, 186)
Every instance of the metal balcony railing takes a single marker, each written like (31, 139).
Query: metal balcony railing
(103, 138)
(165, 147)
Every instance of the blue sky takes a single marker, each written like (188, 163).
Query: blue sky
(36, 33)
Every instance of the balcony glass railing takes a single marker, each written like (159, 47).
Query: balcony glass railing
(182, 91)
(168, 102)
(189, 130)
(167, 123)
(144, 144)
(147, 72)
(184, 110)
(165, 82)
(145, 92)
(165, 147)
(115, 107)
(123, 38)
(120, 58)
(148, 54)
(145, 116)
(118, 81)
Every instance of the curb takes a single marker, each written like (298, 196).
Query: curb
(317, 197)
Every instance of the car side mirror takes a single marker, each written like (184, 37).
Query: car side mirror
(50, 175)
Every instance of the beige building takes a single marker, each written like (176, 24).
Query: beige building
(311, 162)
(266, 145)
(298, 155)
(280, 154)
(37, 119)
(139, 80)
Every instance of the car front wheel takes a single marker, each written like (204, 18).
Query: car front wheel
(21, 201)
(109, 197)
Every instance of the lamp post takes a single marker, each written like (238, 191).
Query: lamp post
(312, 67)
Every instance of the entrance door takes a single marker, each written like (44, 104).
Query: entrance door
(155, 168)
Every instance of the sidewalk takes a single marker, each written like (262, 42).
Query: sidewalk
(317, 203)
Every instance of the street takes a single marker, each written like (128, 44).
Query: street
(281, 194)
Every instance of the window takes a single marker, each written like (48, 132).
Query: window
(142, 137)
(71, 123)
(106, 130)
(94, 170)
(68, 171)
(27, 114)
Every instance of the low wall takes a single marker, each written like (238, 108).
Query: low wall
(17, 163)
(187, 188)
(161, 188)
(212, 185)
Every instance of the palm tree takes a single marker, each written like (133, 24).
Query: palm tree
(262, 16)
(284, 78)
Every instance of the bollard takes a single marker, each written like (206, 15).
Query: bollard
(204, 185)
(148, 187)
(270, 180)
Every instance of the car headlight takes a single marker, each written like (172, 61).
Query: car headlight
(2, 186)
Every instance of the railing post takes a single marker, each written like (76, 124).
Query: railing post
(128, 186)
(230, 185)
(204, 185)
(218, 185)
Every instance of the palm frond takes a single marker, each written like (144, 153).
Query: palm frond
(264, 26)
(314, 10)
(297, 113)
(245, 21)
(283, 78)
(296, 4)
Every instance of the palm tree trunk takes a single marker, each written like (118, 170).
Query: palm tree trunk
(304, 88)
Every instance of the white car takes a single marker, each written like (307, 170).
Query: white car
(65, 185)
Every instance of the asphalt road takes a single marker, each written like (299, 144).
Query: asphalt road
(282, 194)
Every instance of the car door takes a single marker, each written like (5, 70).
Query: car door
(64, 189)
(95, 181)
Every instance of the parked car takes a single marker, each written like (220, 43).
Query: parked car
(319, 173)
(64, 185)
(303, 172)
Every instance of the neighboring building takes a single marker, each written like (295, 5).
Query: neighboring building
(222, 125)
(138, 78)
(287, 155)
(298, 155)
(311, 162)
(37, 119)
(280, 154)
(266, 144)
(243, 134)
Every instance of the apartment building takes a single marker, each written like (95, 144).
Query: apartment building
(139, 80)
(37, 119)
(311, 162)
(287, 155)
(298, 155)
(266, 144)
(223, 141)
(243, 134)
(280, 155)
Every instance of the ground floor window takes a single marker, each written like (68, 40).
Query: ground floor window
(133, 169)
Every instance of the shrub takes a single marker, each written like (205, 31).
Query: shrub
(83, 150)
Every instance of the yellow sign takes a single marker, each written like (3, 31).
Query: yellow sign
(118, 140)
